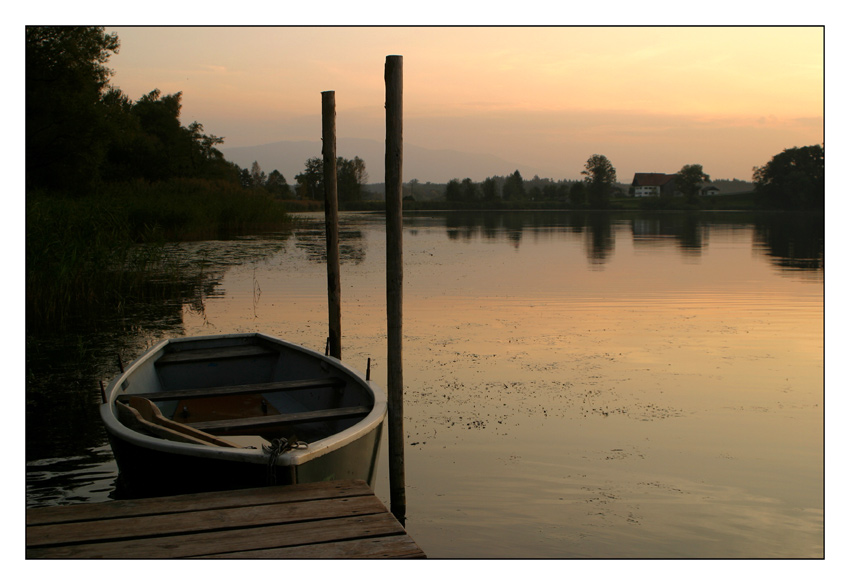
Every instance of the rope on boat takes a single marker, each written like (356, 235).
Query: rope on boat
(277, 448)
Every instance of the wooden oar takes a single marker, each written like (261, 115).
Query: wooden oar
(145, 415)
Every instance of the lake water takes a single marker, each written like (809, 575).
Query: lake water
(577, 385)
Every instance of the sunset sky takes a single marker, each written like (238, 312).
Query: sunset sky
(650, 99)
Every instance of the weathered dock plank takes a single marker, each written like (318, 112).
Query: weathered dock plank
(386, 547)
(342, 519)
(190, 502)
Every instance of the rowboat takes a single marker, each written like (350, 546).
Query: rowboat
(240, 410)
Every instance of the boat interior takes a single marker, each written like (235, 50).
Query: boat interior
(243, 393)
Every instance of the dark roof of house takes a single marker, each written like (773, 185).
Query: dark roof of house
(651, 179)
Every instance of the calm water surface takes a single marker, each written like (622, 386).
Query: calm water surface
(577, 385)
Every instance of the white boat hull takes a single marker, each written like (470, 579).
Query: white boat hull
(199, 381)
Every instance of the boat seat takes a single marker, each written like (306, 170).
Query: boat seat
(244, 389)
(258, 422)
(143, 415)
(215, 354)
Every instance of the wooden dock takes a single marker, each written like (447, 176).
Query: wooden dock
(339, 519)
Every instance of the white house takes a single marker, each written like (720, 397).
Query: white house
(653, 184)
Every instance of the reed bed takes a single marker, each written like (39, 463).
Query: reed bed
(89, 256)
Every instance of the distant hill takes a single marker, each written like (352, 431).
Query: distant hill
(425, 164)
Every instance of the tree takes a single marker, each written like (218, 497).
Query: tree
(276, 185)
(600, 176)
(245, 178)
(689, 180)
(793, 178)
(157, 149)
(66, 78)
(513, 189)
(258, 177)
(454, 191)
(578, 195)
(161, 148)
(310, 183)
(470, 190)
(204, 145)
(563, 190)
(147, 141)
(360, 174)
(351, 177)
(489, 190)
(80, 131)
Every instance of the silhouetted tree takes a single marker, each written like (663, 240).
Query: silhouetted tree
(600, 177)
(258, 177)
(161, 148)
(81, 131)
(203, 151)
(489, 190)
(276, 185)
(245, 178)
(689, 180)
(351, 177)
(66, 130)
(470, 190)
(578, 195)
(310, 183)
(513, 189)
(454, 191)
(148, 141)
(159, 116)
(793, 178)
(359, 168)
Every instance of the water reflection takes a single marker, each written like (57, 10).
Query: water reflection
(685, 230)
(793, 242)
(65, 369)
(66, 451)
(599, 239)
(351, 245)
(81, 478)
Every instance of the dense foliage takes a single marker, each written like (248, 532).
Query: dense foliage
(104, 173)
(351, 177)
(689, 181)
(793, 179)
(600, 176)
(67, 130)
(83, 132)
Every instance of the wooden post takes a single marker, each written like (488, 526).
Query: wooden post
(395, 384)
(331, 223)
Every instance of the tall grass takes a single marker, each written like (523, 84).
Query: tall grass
(91, 255)
(194, 209)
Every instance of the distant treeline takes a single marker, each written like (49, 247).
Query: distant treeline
(788, 184)
(540, 193)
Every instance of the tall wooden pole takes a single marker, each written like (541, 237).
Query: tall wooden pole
(331, 223)
(395, 384)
